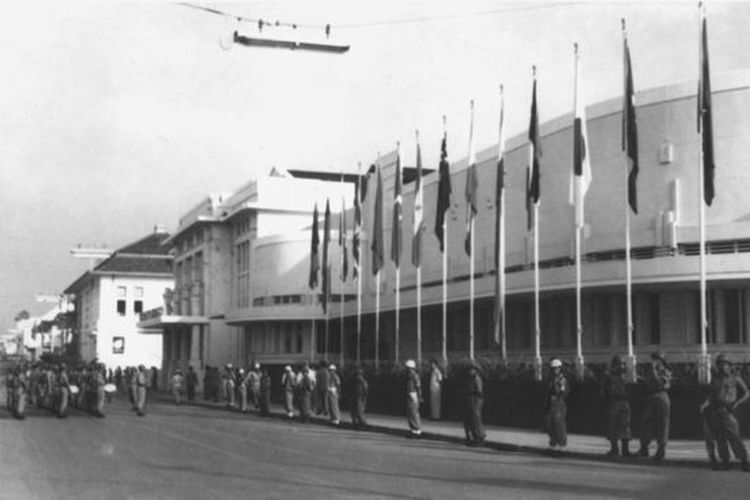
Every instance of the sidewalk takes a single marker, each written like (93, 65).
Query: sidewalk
(690, 453)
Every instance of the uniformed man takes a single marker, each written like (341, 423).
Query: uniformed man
(265, 393)
(436, 390)
(413, 398)
(99, 381)
(473, 427)
(176, 383)
(334, 393)
(20, 388)
(253, 385)
(288, 385)
(191, 382)
(656, 412)
(229, 385)
(63, 387)
(558, 389)
(618, 408)
(306, 390)
(719, 407)
(321, 393)
(141, 381)
(359, 399)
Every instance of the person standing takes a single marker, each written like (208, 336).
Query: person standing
(191, 382)
(141, 382)
(618, 408)
(657, 409)
(20, 387)
(723, 399)
(229, 385)
(558, 390)
(321, 393)
(473, 427)
(242, 389)
(359, 399)
(413, 398)
(253, 384)
(63, 385)
(98, 376)
(306, 390)
(334, 392)
(436, 390)
(265, 393)
(288, 384)
(176, 383)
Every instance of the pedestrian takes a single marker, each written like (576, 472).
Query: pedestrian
(473, 427)
(228, 385)
(154, 378)
(265, 393)
(558, 390)
(306, 390)
(177, 381)
(723, 399)
(334, 393)
(359, 399)
(436, 390)
(253, 384)
(321, 393)
(618, 408)
(288, 384)
(656, 411)
(63, 385)
(20, 387)
(99, 379)
(141, 382)
(413, 398)
(191, 381)
(242, 390)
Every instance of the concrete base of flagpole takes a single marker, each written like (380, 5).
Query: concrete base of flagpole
(631, 364)
(580, 367)
(704, 369)
(538, 368)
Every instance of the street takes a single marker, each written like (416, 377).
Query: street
(196, 452)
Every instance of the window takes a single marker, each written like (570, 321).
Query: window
(118, 345)
(138, 292)
(138, 306)
(122, 291)
(121, 307)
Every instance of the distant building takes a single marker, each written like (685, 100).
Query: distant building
(109, 299)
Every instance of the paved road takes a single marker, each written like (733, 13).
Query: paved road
(193, 452)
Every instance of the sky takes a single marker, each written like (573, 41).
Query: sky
(117, 116)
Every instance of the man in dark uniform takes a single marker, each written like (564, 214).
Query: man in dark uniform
(191, 382)
(558, 390)
(321, 392)
(656, 412)
(413, 399)
(63, 386)
(719, 407)
(99, 380)
(306, 390)
(474, 402)
(618, 407)
(141, 382)
(359, 399)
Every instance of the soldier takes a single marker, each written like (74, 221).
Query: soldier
(265, 393)
(20, 388)
(306, 390)
(242, 388)
(229, 385)
(558, 390)
(288, 384)
(141, 382)
(253, 385)
(99, 381)
(334, 392)
(359, 399)
(473, 427)
(63, 386)
(176, 382)
(618, 408)
(436, 390)
(321, 393)
(413, 398)
(191, 381)
(722, 401)
(657, 408)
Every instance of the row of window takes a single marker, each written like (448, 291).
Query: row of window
(276, 338)
(122, 292)
(122, 307)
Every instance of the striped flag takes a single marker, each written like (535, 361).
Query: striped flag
(396, 239)
(444, 191)
(471, 185)
(326, 267)
(533, 191)
(705, 115)
(416, 242)
(314, 256)
(581, 160)
(357, 228)
(377, 225)
(342, 241)
(629, 126)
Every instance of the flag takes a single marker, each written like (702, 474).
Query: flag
(416, 243)
(357, 229)
(314, 258)
(533, 191)
(499, 187)
(471, 186)
(377, 225)
(342, 241)
(581, 159)
(444, 192)
(396, 240)
(326, 268)
(629, 127)
(705, 116)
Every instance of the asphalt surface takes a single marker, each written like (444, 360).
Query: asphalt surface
(190, 452)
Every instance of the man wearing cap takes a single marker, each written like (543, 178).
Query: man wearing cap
(253, 385)
(719, 407)
(229, 385)
(64, 390)
(413, 398)
(618, 407)
(475, 400)
(359, 399)
(657, 409)
(176, 382)
(558, 389)
(288, 384)
(334, 392)
(306, 389)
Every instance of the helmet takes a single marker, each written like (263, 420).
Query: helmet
(555, 363)
(410, 363)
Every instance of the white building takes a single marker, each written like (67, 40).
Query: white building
(110, 298)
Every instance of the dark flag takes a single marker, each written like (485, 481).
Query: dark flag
(377, 225)
(416, 242)
(396, 240)
(472, 185)
(342, 242)
(499, 302)
(314, 258)
(533, 189)
(705, 116)
(629, 126)
(357, 229)
(326, 267)
(444, 192)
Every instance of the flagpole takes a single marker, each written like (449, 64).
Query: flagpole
(359, 266)
(328, 310)
(419, 280)
(377, 320)
(445, 273)
(629, 282)
(341, 297)
(500, 269)
(313, 339)
(471, 257)
(398, 260)
(578, 229)
(537, 328)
